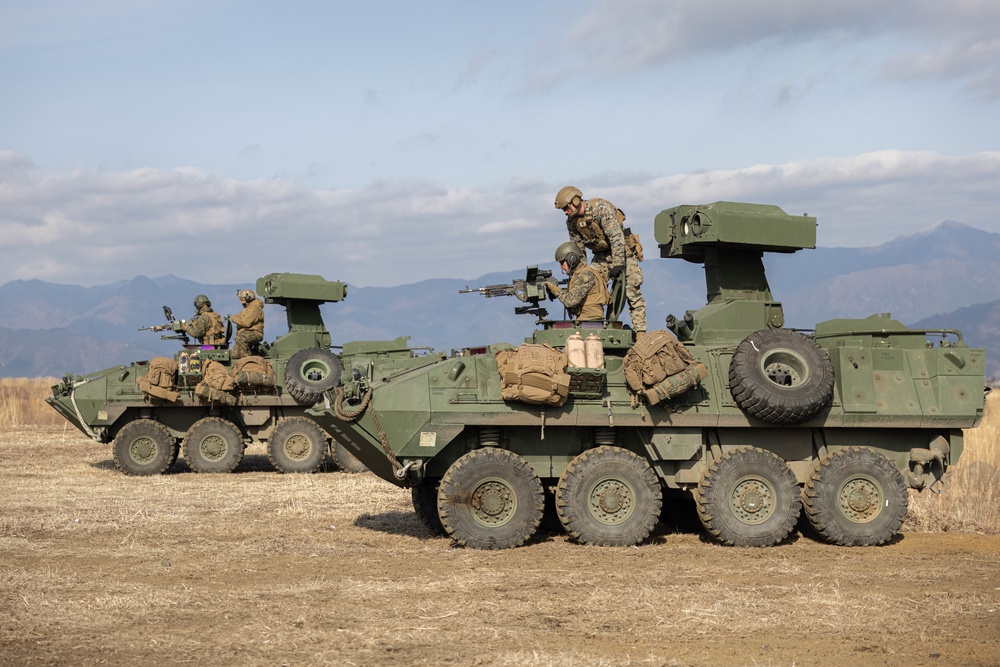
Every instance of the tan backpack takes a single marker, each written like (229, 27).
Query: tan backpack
(215, 375)
(160, 379)
(656, 356)
(533, 374)
(252, 372)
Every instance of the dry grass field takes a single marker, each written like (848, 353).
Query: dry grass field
(257, 568)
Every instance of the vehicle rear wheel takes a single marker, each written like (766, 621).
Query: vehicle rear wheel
(608, 496)
(143, 447)
(297, 445)
(855, 497)
(310, 372)
(345, 460)
(490, 499)
(424, 498)
(748, 498)
(213, 444)
(781, 376)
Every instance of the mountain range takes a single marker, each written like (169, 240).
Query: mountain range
(944, 277)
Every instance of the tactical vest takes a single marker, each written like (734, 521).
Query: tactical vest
(597, 298)
(655, 357)
(216, 334)
(591, 232)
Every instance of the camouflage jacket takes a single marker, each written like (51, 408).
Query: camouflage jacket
(599, 229)
(251, 317)
(586, 295)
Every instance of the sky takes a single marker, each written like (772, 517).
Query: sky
(388, 142)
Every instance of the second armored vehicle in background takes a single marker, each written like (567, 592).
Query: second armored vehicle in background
(149, 425)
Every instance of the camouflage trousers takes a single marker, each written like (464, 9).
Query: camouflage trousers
(244, 340)
(633, 283)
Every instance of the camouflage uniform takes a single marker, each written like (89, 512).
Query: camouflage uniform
(206, 327)
(586, 295)
(249, 328)
(600, 230)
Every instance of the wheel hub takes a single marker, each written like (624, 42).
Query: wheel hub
(860, 500)
(611, 501)
(297, 447)
(213, 448)
(752, 501)
(493, 503)
(782, 375)
(142, 450)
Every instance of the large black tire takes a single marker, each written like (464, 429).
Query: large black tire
(213, 444)
(490, 499)
(310, 372)
(781, 376)
(297, 445)
(748, 498)
(143, 447)
(345, 460)
(424, 498)
(608, 496)
(855, 497)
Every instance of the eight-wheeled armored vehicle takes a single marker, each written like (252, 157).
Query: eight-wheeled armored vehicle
(839, 420)
(148, 425)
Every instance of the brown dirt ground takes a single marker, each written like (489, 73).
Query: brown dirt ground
(258, 568)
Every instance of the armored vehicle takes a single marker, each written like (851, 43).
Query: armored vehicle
(149, 421)
(762, 422)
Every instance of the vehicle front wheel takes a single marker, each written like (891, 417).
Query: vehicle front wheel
(143, 447)
(490, 499)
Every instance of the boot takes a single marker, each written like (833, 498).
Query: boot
(639, 335)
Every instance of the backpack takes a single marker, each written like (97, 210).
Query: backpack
(160, 378)
(252, 372)
(656, 356)
(533, 374)
(214, 375)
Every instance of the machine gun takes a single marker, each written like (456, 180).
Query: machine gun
(531, 290)
(173, 324)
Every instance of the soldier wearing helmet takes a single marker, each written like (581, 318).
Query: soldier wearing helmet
(206, 326)
(249, 324)
(587, 293)
(596, 224)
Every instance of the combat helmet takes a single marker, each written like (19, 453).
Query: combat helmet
(570, 253)
(246, 295)
(568, 195)
(202, 300)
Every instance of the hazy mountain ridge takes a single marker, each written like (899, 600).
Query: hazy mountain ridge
(943, 277)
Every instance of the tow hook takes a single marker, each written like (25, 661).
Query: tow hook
(401, 473)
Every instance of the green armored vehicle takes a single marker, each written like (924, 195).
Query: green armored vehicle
(760, 423)
(149, 420)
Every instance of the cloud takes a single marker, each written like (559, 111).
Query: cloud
(618, 36)
(93, 227)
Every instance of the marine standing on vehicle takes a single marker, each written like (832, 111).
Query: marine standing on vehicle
(249, 324)
(206, 326)
(587, 293)
(596, 224)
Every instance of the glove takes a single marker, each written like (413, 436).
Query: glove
(552, 287)
(614, 271)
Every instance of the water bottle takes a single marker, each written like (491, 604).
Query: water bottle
(575, 351)
(594, 351)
